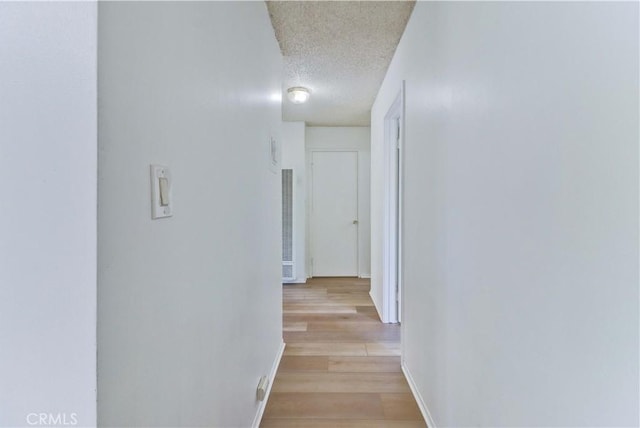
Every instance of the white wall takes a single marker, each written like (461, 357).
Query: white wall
(521, 211)
(189, 312)
(356, 138)
(293, 157)
(48, 216)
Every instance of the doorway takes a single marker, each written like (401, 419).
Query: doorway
(393, 170)
(334, 213)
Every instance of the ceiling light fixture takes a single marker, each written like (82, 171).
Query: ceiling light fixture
(298, 94)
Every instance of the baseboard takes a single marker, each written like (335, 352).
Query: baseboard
(375, 305)
(272, 376)
(297, 281)
(421, 404)
(365, 276)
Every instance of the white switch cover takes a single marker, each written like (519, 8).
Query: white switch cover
(161, 201)
(164, 191)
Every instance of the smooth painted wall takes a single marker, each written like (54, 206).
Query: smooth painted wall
(355, 138)
(293, 157)
(48, 169)
(189, 313)
(521, 211)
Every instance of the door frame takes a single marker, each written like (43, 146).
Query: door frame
(392, 262)
(309, 205)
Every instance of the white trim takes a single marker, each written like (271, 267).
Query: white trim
(426, 414)
(365, 276)
(375, 305)
(358, 212)
(392, 212)
(272, 377)
(297, 281)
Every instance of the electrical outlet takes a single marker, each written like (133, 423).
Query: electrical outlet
(262, 388)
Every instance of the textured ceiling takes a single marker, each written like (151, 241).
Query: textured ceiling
(340, 50)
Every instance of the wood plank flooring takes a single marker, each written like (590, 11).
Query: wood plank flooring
(341, 365)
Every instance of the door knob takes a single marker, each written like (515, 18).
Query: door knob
(355, 221)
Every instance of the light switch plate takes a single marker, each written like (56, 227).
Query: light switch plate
(161, 205)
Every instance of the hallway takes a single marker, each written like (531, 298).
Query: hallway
(341, 366)
(142, 256)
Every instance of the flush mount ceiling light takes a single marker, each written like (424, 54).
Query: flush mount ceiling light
(298, 94)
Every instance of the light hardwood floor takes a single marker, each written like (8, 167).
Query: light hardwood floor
(341, 365)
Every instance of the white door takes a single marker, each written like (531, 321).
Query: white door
(334, 213)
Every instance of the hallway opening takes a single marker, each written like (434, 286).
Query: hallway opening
(341, 364)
